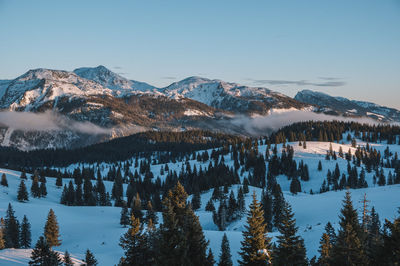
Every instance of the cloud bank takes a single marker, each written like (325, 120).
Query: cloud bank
(264, 125)
(47, 121)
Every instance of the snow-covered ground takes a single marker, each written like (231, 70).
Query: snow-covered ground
(98, 228)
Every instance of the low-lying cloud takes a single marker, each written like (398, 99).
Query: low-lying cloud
(47, 121)
(264, 125)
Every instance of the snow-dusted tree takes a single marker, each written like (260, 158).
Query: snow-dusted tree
(67, 259)
(90, 260)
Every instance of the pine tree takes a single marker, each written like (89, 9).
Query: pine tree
(330, 231)
(374, 239)
(3, 181)
(25, 237)
(266, 201)
(35, 189)
(43, 190)
(78, 198)
(241, 200)
(290, 249)
(124, 220)
(59, 182)
(11, 229)
(133, 242)
(256, 246)
(196, 200)
(325, 250)
(90, 260)
(277, 205)
(150, 214)
(210, 206)
(23, 175)
(295, 185)
(67, 259)
(225, 258)
(348, 249)
(42, 255)
(391, 245)
(22, 192)
(136, 208)
(319, 166)
(51, 230)
(2, 241)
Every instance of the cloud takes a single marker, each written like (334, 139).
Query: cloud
(329, 78)
(46, 122)
(117, 67)
(168, 77)
(329, 83)
(264, 125)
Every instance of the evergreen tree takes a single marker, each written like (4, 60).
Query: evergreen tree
(59, 182)
(225, 258)
(277, 205)
(150, 214)
(256, 246)
(325, 250)
(210, 206)
(133, 242)
(25, 237)
(319, 166)
(374, 239)
(22, 192)
(196, 200)
(43, 190)
(210, 258)
(348, 249)
(295, 185)
(23, 175)
(124, 220)
(78, 198)
(266, 201)
(241, 201)
(90, 260)
(330, 231)
(290, 249)
(51, 230)
(11, 229)
(42, 255)
(67, 259)
(391, 243)
(3, 181)
(35, 189)
(136, 208)
(2, 241)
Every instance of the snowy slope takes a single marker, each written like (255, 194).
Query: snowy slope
(98, 228)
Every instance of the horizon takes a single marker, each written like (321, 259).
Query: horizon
(338, 48)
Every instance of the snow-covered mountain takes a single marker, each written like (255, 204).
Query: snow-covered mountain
(343, 106)
(230, 96)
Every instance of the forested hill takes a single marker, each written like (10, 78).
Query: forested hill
(145, 143)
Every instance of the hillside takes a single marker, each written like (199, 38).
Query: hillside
(80, 225)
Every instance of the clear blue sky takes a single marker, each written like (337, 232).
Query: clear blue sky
(346, 48)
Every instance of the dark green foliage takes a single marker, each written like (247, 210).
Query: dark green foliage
(59, 182)
(295, 185)
(136, 208)
(125, 219)
(35, 189)
(11, 229)
(67, 259)
(42, 255)
(210, 206)
(391, 245)
(348, 249)
(196, 200)
(43, 190)
(319, 166)
(290, 248)
(51, 230)
(90, 260)
(277, 205)
(256, 246)
(325, 250)
(266, 201)
(25, 237)
(3, 181)
(225, 257)
(22, 192)
(150, 214)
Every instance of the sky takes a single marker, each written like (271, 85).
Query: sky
(343, 48)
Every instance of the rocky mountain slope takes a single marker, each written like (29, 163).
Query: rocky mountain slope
(346, 107)
(99, 98)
